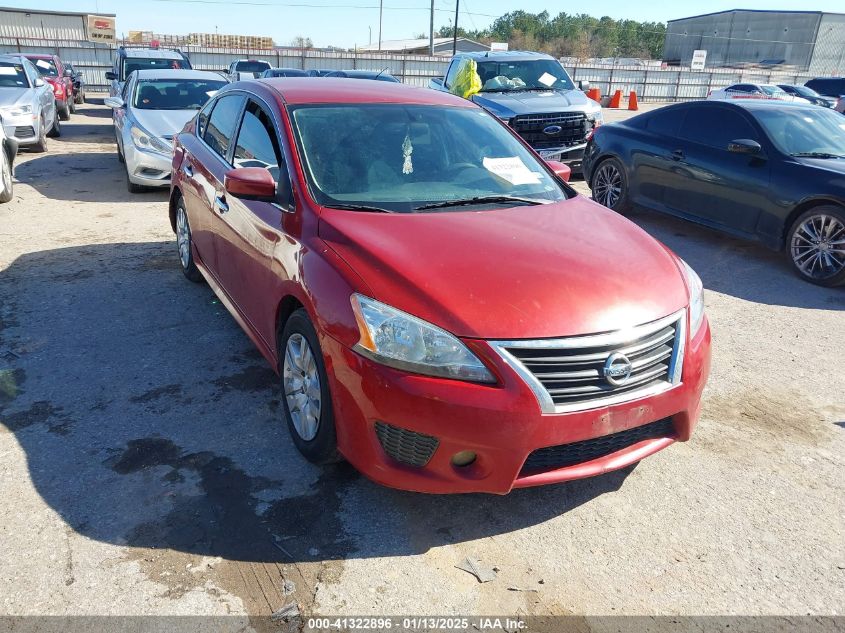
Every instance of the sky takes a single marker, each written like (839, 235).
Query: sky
(355, 21)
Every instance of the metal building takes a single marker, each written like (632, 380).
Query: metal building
(810, 41)
(43, 25)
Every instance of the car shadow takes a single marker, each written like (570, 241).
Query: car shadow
(81, 177)
(737, 267)
(148, 419)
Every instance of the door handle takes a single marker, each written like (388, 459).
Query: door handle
(220, 204)
(678, 154)
(189, 171)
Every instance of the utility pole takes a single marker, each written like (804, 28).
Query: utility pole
(380, 10)
(431, 31)
(455, 34)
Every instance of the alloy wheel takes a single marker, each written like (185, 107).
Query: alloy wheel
(607, 185)
(818, 246)
(183, 237)
(301, 382)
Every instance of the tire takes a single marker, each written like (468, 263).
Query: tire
(7, 192)
(609, 185)
(299, 390)
(815, 245)
(56, 131)
(64, 111)
(82, 98)
(71, 105)
(183, 238)
(120, 157)
(40, 145)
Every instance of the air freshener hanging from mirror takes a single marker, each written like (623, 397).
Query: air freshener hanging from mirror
(407, 150)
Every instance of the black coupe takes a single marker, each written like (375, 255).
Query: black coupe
(764, 170)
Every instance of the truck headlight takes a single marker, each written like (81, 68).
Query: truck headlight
(696, 299)
(398, 339)
(148, 142)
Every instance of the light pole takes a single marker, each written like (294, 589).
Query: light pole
(455, 34)
(380, 10)
(431, 31)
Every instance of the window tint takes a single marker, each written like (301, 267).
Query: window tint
(257, 144)
(716, 127)
(666, 122)
(221, 124)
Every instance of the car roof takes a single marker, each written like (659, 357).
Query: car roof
(176, 73)
(37, 55)
(301, 90)
(151, 53)
(513, 56)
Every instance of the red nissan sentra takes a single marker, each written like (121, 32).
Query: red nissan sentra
(444, 311)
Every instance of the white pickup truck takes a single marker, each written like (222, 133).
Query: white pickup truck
(246, 69)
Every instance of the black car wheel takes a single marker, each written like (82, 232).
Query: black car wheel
(56, 130)
(610, 186)
(64, 111)
(71, 105)
(41, 144)
(184, 243)
(306, 400)
(7, 192)
(816, 245)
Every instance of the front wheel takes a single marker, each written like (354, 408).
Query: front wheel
(56, 130)
(64, 111)
(7, 192)
(71, 104)
(816, 245)
(184, 243)
(610, 186)
(305, 391)
(41, 144)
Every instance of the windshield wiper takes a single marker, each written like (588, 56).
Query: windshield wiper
(479, 200)
(358, 207)
(816, 155)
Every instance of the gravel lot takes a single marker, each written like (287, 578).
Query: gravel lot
(145, 469)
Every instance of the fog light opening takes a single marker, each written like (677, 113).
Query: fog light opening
(463, 459)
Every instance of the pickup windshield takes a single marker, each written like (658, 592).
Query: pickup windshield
(252, 66)
(532, 74)
(416, 158)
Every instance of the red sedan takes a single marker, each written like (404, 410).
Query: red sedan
(444, 311)
(59, 76)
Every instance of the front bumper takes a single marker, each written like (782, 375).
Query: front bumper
(24, 128)
(148, 169)
(502, 424)
(572, 156)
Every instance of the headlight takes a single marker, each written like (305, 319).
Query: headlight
(696, 299)
(16, 110)
(399, 340)
(146, 141)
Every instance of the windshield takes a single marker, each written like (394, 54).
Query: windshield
(45, 67)
(285, 72)
(131, 64)
(773, 91)
(804, 130)
(804, 91)
(251, 67)
(174, 94)
(533, 74)
(12, 76)
(400, 157)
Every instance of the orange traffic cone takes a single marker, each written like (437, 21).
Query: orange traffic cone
(632, 101)
(594, 94)
(616, 100)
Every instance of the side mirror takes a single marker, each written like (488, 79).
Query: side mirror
(68, 72)
(584, 85)
(745, 146)
(110, 75)
(250, 183)
(114, 102)
(561, 170)
(38, 83)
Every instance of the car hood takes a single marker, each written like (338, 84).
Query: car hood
(16, 96)
(163, 122)
(526, 272)
(506, 105)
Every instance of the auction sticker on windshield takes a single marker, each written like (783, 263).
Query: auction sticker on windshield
(547, 80)
(511, 169)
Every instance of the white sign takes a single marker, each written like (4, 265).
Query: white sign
(101, 28)
(698, 59)
(498, 46)
(511, 169)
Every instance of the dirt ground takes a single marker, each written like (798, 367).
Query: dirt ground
(145, 468)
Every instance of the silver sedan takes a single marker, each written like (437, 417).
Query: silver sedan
(27, 105)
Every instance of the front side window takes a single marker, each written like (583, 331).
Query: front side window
(716, 127)
(401, 157)
(222, 122)
(174, 94)
(13, 75)
(534, 74)
(773, 91)
(257, 145)
(804, 131)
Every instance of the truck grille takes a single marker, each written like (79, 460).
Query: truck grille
(577, 373)
(24, 131)
(573, 129)
(554, 457)
(407, 447)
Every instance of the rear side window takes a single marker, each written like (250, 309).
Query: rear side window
(716, 127)
(222, 123)
(666, 122)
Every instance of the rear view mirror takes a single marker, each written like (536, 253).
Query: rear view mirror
(744, 146)
(111, 76)
(584, 85)
(250, 183)
(38, 82)
(113, 102)
(561, 170)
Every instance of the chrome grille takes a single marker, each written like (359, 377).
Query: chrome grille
(571, 374)
(573, 129)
